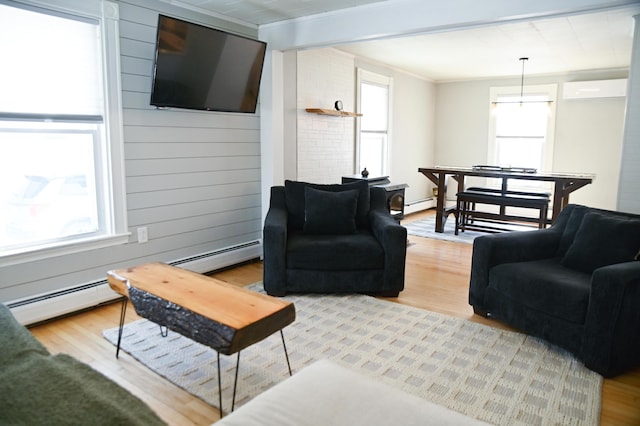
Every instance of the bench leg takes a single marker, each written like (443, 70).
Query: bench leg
(542, 223)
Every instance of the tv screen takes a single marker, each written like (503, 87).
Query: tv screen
(202, 68)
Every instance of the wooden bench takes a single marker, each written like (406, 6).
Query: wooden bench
(508, 192)
(468, 214)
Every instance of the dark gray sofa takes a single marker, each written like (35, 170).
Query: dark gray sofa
(332, 239)
(575, 284)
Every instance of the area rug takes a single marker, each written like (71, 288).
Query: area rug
(498, 376)
(426, 228)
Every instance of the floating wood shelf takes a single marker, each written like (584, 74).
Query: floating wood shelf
(333, 112)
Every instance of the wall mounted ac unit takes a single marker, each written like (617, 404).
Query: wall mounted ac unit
(595, 89)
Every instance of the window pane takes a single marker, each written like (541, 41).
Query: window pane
(54, 64)
(51, 191)
(520, 152)
(372, 152)
(515, 119)
(374, 101)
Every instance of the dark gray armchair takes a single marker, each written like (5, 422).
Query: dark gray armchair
(575, 284)
(332, 239)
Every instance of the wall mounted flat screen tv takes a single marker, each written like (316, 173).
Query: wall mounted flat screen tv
(202, 68)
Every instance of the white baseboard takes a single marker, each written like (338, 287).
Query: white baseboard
(47, 306)
(419, 206)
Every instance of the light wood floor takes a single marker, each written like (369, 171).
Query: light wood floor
(437, 278)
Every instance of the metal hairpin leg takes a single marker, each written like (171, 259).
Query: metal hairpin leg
(235, 382)
(219, 387)
(285, 352)
(164, 330)
(123, 311)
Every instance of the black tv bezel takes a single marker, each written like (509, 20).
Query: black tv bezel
(165, 105)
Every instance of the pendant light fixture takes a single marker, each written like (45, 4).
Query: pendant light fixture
(522, 100)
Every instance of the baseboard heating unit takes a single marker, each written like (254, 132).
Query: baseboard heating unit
(46, 306)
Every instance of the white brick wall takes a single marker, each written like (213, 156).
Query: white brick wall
(326, 147)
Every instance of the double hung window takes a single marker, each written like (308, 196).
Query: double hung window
(522, 128)
(60, 129)
(373, 135)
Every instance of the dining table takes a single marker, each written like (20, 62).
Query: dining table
(563, 184)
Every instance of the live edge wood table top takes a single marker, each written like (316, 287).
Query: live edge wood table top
(222, 316)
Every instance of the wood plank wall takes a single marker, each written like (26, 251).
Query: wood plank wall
(192, 177)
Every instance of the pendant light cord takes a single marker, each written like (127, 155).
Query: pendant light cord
(522, 79)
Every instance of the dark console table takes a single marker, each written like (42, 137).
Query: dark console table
(395, 192)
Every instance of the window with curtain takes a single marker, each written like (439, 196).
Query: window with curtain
(373, 134)
(56, 141)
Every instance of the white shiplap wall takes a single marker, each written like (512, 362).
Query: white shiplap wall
(192, 178)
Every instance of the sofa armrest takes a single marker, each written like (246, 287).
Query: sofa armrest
(393, 238)
(274, 244)
(495, 249)
(611, 341)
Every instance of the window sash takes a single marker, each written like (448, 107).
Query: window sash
(105, 119)
(372, 140)
(62, 61)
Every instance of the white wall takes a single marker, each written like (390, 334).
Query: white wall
(588, 136)
(412, 17)
(629, 189)
(192, 178)
(326, 144)
(413, 134)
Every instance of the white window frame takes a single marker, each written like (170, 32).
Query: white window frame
(107, 13)
(550, 90)
(382, 80)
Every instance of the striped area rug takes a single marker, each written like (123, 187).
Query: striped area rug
(497, 376)
(426, 228)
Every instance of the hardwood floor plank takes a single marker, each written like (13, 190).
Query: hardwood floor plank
(437, 279)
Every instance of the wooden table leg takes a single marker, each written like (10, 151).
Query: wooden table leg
(441, 217)
(558, 200)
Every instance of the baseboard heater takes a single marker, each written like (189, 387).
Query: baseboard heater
(47, 306)
(419, 205)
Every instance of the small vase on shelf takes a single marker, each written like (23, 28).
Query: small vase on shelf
(364, 173)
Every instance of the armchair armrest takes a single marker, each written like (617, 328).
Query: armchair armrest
(495, 249)
(393, 238)
(611, 341)
(274, 244)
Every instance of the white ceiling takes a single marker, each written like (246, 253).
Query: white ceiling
(584, 42)
(260, 12)
(571, 43)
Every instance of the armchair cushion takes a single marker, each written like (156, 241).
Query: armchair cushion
(544, 286)
(328, 212)
(295, 200)
(603, 240)
(359, 251)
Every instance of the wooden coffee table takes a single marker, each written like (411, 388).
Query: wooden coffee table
(222, 316)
